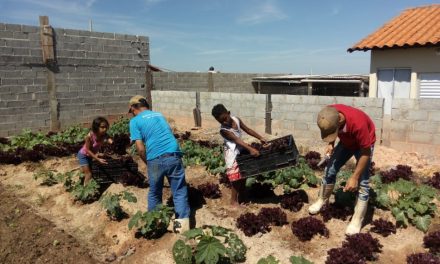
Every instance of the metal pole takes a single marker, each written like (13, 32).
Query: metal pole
(268, 118)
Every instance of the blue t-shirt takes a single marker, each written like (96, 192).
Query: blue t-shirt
(152, 128)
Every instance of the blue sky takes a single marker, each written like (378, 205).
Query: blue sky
(256, 36)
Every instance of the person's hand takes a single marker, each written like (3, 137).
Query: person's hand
(263, 140)
(110, 141)
(351, 185)
(102, 161)
(329, 149)
(254, 152)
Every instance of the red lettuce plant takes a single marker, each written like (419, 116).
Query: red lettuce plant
(210, 190)
(49, 150)
(31, 155)
(294, 201)
(363, 244)
(432, 242)
(400, 172)
(435, 180)
(9, 157)
(357, 248)
(383, 227)
(273, 216)
(422, 258)
(305, 228)
(337, 211)
(252, 224)
(343, 256)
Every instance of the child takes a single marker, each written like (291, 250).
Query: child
(93, 142)
(230, 130)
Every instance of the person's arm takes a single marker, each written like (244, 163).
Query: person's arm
(353, 181)
(251, 132)
(140, 147)
(229, 135)
(108, 139)
(329, 149)
(88, 144)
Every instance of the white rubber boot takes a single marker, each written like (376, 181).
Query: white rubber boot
(358, 217)
(181, 225)
(324, 194)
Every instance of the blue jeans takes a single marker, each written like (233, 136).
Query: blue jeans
(170, 166)
(340, 156)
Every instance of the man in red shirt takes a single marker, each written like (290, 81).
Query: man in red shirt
(356, 133)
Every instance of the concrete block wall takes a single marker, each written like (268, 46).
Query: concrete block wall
(415, 126)
(175, 105)
(250, 108)
(24, 101)
(291, 114)
(296, 114)
(96, 74)
(200, 81)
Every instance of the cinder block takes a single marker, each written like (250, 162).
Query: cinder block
(30, 29)
(420, 137)
(13, 27)
(418, 115)
(434, 115)
(426, 126)
(20, 35)
(399, 135)
(326, 100)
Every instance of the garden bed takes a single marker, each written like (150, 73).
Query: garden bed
(111, 240)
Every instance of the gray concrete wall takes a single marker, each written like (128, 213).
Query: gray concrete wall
(415, 126)
(297, 114)
(97, 73)
(291, 114)
(206, 82)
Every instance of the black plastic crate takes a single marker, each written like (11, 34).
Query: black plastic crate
(271, 159)
(117, 170)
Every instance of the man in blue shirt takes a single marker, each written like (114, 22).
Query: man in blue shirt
(158, 148)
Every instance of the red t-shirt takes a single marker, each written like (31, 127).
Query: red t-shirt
(358, 131)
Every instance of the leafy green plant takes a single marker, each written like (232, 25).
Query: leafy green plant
(28, 139)
(299, 177)
(152, 224)
(211, 158)
(47, 176)
(87, 193)
(408, 202)
(268, 260)
(70, 135)
(299, 260)
(111, 203)
(120, 126)
(67, 179)
(209, 245)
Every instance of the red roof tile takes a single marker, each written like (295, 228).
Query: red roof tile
(418, 26)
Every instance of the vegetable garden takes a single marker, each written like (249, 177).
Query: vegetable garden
(271, 227)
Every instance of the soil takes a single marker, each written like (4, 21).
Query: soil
(86, 234)
(26, 237)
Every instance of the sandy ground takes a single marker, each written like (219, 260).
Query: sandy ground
(112, 240)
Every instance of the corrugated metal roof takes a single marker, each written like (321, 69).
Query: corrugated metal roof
(414, 27)
(315, 77)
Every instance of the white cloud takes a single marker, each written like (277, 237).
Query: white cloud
(265, 12)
